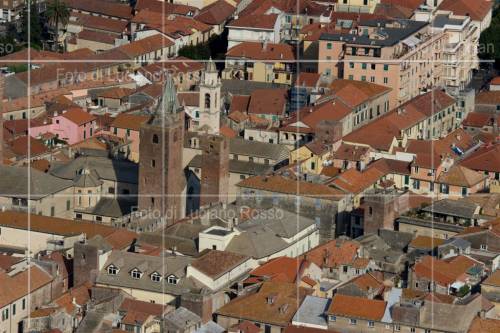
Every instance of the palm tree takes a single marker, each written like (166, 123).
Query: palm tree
(57, 13)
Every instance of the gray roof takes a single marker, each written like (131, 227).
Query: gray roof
(459, 208)
(312, 312)
(16, 182)
(258, 243)
(285, 224)
(180, 319)
(442, 19)
(244, 87)
(272, 151)
(263, 235)
(90, 178)
(396, 239)
(236, 166)
(112, 207)
(457, 242)
(391, 35)
(210, 327)
(164, 265)
(105, 168)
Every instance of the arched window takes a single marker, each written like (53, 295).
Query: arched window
(207, 100)
(155, 138)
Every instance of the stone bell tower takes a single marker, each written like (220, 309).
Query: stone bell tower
(210, 90)
(161, 178)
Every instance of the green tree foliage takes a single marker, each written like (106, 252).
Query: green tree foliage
(30, 20)
(57, 15)
(215, 47)
(489, 43)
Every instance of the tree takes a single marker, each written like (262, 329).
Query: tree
(57, 14)
(489, 42)
(30, 19)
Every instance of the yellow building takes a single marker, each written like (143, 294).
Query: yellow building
(310, 157)
(261, 62)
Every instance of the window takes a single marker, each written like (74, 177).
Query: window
(374, 66)
(98, 218)
(329, 46)
(214, 247)
(136, 274)
(444, 189)
(242, 176)
(68, 204)
(464, 191)
(155, 138)
(351, 65)
(155, 277)
(52, 211)
(351, 77)
(23, 304)
(386, 67)
(363, 65)
(153, 163)
(333, 318)
(111, 190)
(14, 309)
(484, 247)
(128, 132)
(363, 78)
(412, 329)
(172, 279)
(352, 321)
(386, 80)
(371, 324)
(112, 270)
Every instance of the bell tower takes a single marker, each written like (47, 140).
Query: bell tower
(210, 89)
(161, 177)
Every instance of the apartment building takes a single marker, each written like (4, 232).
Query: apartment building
(401, 54)
(261, 62)
(459, 57)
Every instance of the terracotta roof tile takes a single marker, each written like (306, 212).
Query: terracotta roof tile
(263, 21)
(334, 253)
(488, 98)
(357, 307)
(486, 158)
(215, 263)
(273, 303)
(78, 116)
(477, 10)
(461, 176)
(258, 51)
(283, 269)
(425, 242)
(129, 121)
(268, 101)
(484, 325)
(280, 184)
(216, 13)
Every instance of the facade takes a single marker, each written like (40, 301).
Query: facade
(391, 59)
(210, 97)
(72, 126)
(161, 180)
(215, 172)
(267, 62)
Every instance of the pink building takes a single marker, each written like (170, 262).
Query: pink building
(72, 126)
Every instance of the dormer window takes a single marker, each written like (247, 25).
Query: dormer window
(112, 270)
(136, 274)
(155, 277)
(172, 279)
